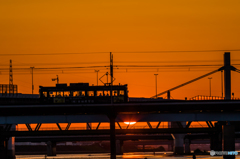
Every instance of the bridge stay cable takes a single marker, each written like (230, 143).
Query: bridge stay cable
(237, 70)
(181, 85)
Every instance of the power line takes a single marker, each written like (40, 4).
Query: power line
(117, 52)
(166, 65)
(178, 51)
(71, 63)
(47, 64)
(65, 53)
(118, 62)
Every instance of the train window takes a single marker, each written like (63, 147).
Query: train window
(99, 93)
(75, 93)
(114, 93)
(71, 94)
(54, 94)
(67, 93)
(90, 93)
(121, 92)
(81, 93)
(59, 94)
(106, 93)
(44, 94)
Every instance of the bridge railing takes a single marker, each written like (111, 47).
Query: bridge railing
(203, 97)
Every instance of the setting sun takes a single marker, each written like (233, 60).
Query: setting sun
(129, 123)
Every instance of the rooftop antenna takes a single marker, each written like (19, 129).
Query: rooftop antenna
(54, 79)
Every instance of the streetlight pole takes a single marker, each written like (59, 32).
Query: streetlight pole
(156, 83)
(210, 84)
(97, 76)
(32, 79)
(222, 82)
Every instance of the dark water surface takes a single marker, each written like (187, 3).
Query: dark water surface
(125, 156)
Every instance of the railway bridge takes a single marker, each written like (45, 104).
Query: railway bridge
(179, 113)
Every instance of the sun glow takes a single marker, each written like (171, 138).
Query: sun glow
(130, 123)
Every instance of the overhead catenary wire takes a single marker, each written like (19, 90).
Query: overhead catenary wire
(116, 62)
(116, 66)
(117, 72)
(137, 68)
(131, 68)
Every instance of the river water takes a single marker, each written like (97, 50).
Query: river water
(125, 156)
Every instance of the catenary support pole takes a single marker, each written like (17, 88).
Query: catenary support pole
(112, 136)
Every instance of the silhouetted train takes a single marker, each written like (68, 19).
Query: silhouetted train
(82, 93)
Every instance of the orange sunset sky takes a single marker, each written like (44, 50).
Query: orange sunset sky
(81, 33)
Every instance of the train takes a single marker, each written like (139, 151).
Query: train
(83, 93)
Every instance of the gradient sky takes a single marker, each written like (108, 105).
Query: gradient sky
(121, 27)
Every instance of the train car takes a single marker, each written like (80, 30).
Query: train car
(82, 93)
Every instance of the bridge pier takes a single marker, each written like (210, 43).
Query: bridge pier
(11, 148)
(178, 139)
(112, 136)
(11, 145)
(3, 148)
(51, 148)
(216, 142)
(216, 138)
(187, 146)
(119, 147)
(228, 137)
(7, 145)
(7, 148)
(170, 147)
(178, 144)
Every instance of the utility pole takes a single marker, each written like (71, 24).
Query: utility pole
(111, 75)
(97, 76)
(11, 89)
(111, 67)
(112, 116)
(156, 83)
(32, 79)
(210, 84)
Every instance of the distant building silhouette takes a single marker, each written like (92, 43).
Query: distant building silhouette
(8, 89)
